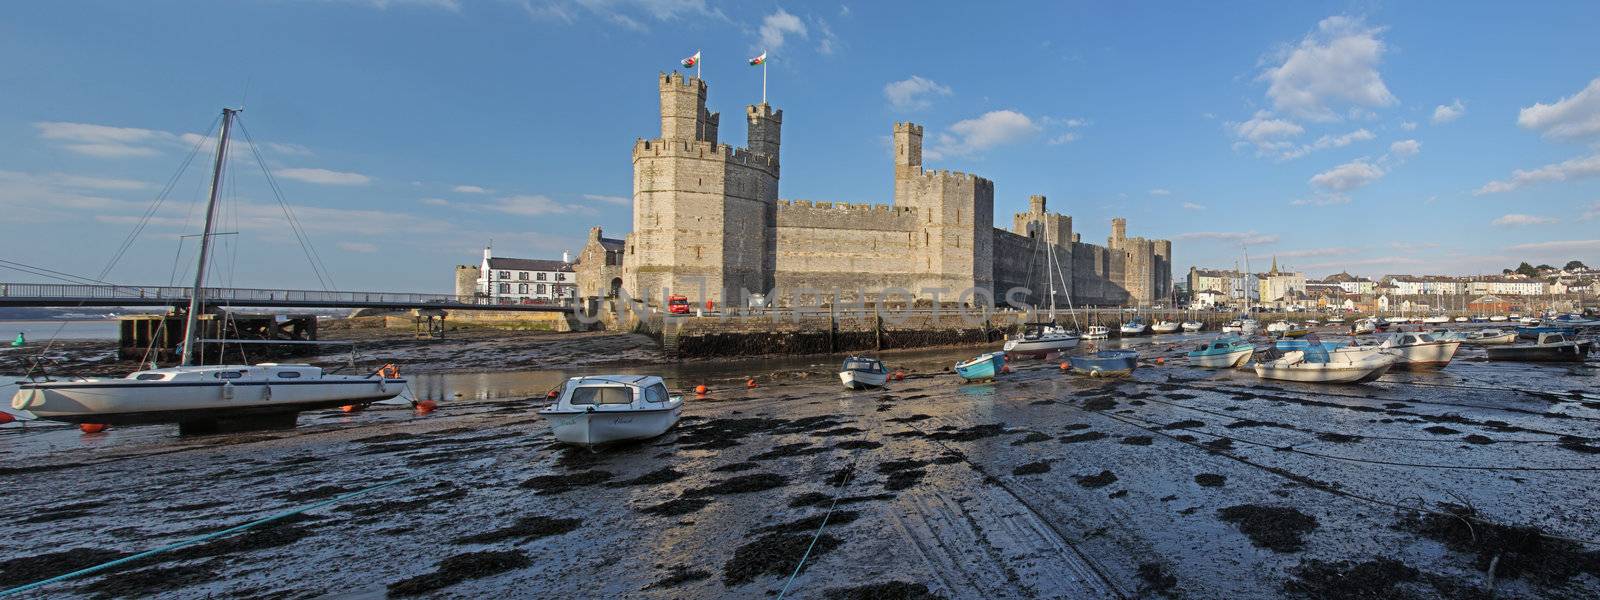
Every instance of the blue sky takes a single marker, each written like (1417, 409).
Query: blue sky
(1379, 137)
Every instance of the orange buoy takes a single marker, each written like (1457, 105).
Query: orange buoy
(700, 390)
(552, 394)
(1161, 360)
(350, 408)
(427, 406)
(91, 427)
(1066, 366)
(750, 383)
(1005, 369)
(899, 375)
(6, 417)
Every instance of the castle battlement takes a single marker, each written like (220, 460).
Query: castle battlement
(948, 175)
(683, 148)
(677, 79)
(846, 207)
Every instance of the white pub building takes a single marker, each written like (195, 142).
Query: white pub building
(526, 280)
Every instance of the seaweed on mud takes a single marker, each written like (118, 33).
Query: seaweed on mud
(271, 535)
(910, 419)
(740, 484)
(547, 485)
(1117, 494)
(1087, 436)
(774, 554)
(1580, 448)
(1032, 437)
(676, 507)
(1219, 444)
(1276, 528)
(459, 568)
(949, 457)
(837, 431)
(970, 434)
(892, 466)
(526, 529)
(1522, 551)
(1477, 439)
(738, 466)
(387, 507)
(56, 515)
(1138, 440)
(1074, 426)
(811, 523)
(890, 590)
(679, 575)
(1440, 430)
(1180, 396)
(1210, 480)
(197, 506)
(903, 479)
(1243, 423)
(809, 499)
(1184, 437)
(1338, 438)
(28, 568)
(1396, 405)
(1098, 480)
(857, 445)
(1157, 578)
(1033, 468)
(1099, 404)
(1348, 580)
(786, 450)
(1041, 402)
(656, 477)
(151, 582)
(316, 493)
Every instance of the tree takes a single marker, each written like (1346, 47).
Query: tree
(1545, 268)
(1527, 269)
(1575, 265)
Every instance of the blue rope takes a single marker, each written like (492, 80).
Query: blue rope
(849, 476)
(210, 536)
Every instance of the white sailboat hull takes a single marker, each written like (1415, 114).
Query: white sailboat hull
(1164, 327)
(603, 426)
(1423, 356)
(128, 401)
(1292, 368)
(1041, 346)
(1193, 326)
(857, 380)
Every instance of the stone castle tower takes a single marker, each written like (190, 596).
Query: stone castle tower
(957, 216)
(700, 208)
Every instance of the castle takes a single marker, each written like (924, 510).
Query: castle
(708, 224)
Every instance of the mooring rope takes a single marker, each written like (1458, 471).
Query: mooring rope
(848, 476)
(207, 537)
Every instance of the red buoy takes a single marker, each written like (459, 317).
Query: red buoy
(1066, 366)
(350, 408)
(700, 390)
(6, 417)
(552, 395)
(426, 406)
(750, 383)
(899, 375)
(1005, 369)
(91, 427)
(1161, 360)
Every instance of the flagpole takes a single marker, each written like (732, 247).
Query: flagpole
(763, 81)
(697, 60)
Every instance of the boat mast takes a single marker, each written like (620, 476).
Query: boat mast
(196, 302)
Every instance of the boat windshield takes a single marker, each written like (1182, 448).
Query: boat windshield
(862, 365)
(656, 393)
(609, 394)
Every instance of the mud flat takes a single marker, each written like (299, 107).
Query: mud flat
(1040, 485)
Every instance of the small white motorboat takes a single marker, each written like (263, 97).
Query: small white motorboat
(1490, 337)
(1365, 326)
(1040, 339)
(861, 372)
(601, 409)
(1325, 367)
(1134, 327)
(1165, 327)
(1193, 326)
(1225, 352)
(1419, 350)
(1551, 347)
(1278, 326)
(1096, 332)
(1498, 318)
(1462, 319)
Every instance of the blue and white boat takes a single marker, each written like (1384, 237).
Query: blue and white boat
(1286, 345)
(1105, 362)
(862, 372)
(1225, 352)
(982, 368)
(1572, 320)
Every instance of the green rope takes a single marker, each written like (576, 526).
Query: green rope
(210, 536)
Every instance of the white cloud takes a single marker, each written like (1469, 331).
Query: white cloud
(630, 14)
(1405, 148)
(616, 200)
(435, 201)
(529, 205)
(778, 26)
(1586, 166)
(1160, 192)
(1408, 125)
(1251, 238)
(1573, 117)
(92, 183)
(1591, 213)
(1268, 133)
(1335, 64)
(1328, 141)
(1515, 220)
(973, 136)
(323, 176)
(1559, 246)
(450, 5)
(827, 42)
(471, 189)
(1446, 114)
(914, 93)
(1323, 199)
(1333, 251)
(1348, 176)
(362, 247)
(1065, 138)
(1193, 206)
(1346, 263)
(105, 141)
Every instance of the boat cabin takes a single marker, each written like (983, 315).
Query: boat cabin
(613, 392)
(1552, 338)
(863, 364)
(268, 372)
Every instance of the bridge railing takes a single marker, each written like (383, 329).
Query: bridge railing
(244, 296)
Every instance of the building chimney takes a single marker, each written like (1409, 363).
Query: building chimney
(566, 257)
